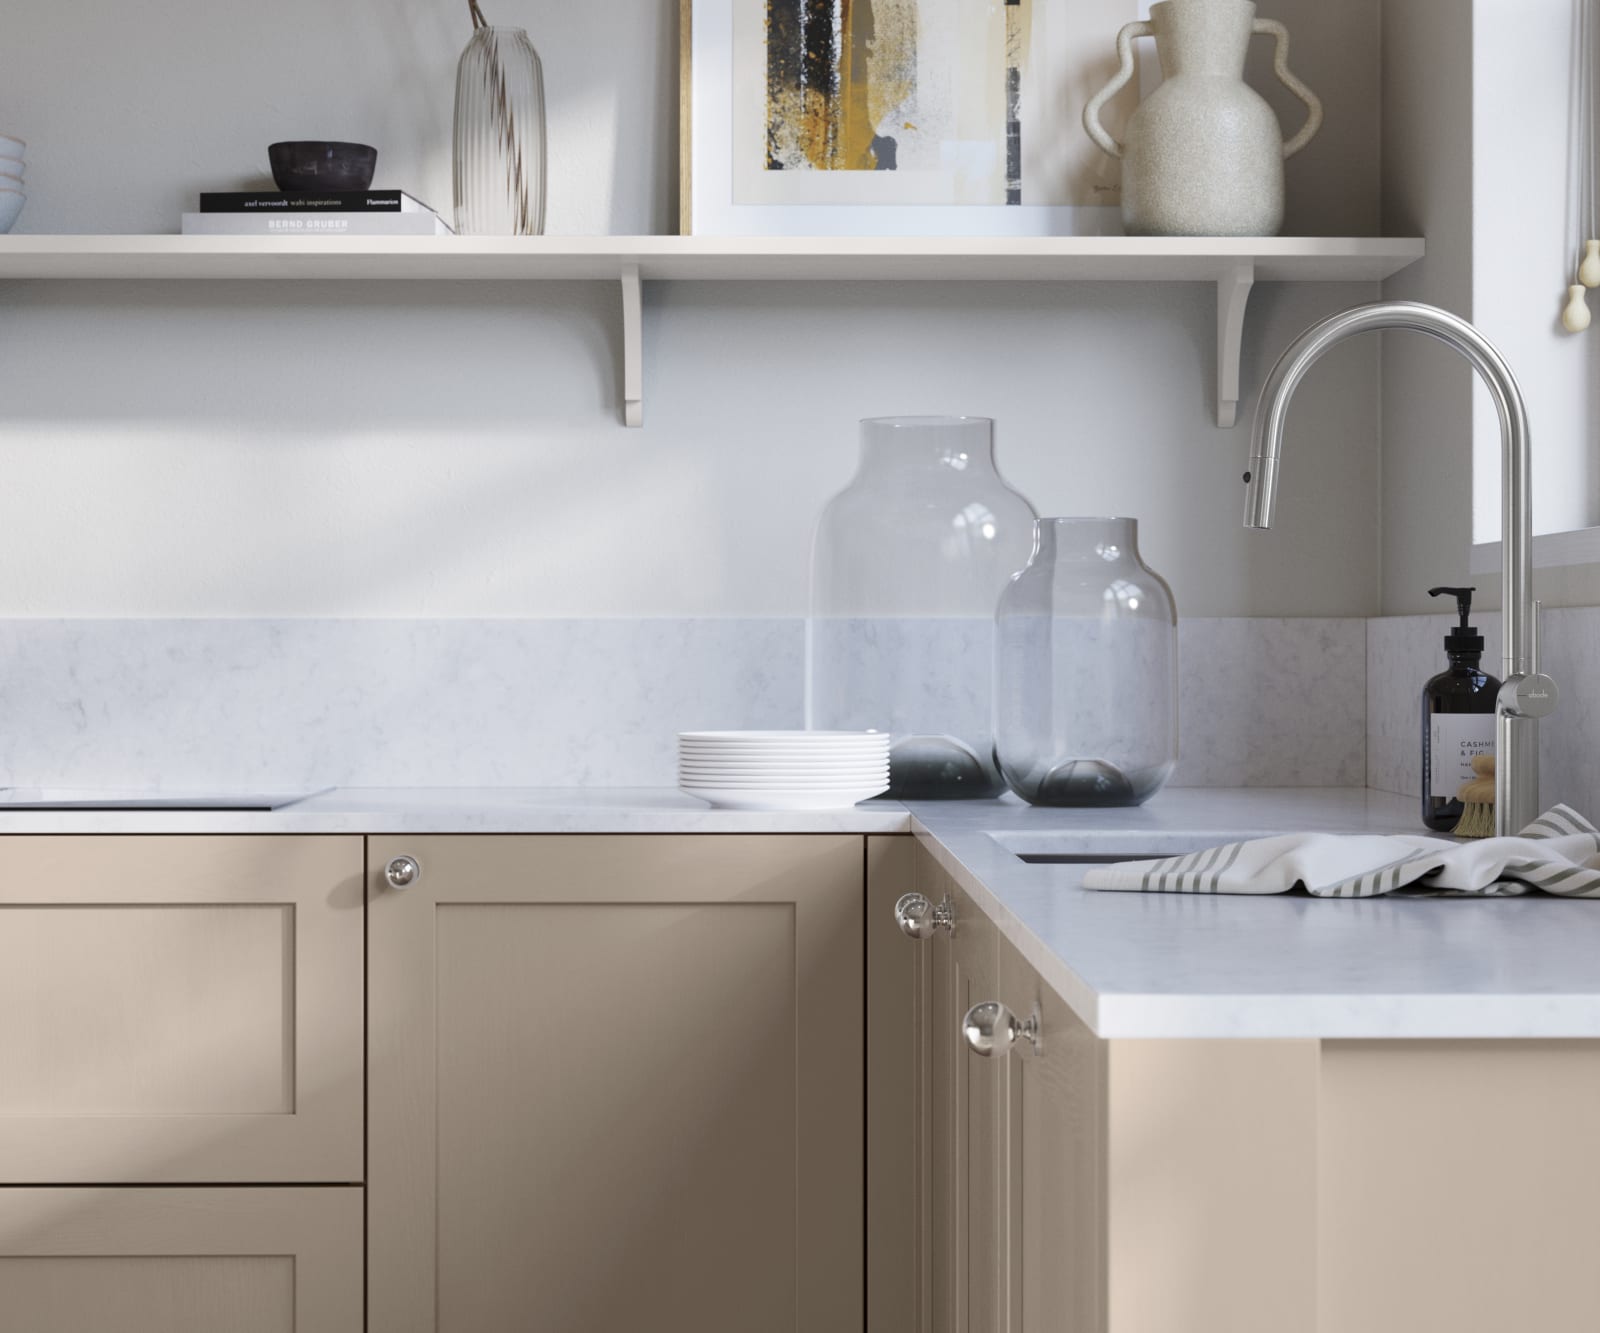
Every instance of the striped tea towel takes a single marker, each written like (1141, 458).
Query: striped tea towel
(1558, 853)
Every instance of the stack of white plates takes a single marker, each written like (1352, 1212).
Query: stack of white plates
(783, 770)
(13, 167)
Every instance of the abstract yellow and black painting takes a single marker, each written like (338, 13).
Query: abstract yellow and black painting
(924, 101)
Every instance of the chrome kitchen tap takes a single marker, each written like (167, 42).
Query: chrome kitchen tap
(1527, 694)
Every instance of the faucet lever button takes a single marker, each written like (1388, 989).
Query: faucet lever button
(1530, 695)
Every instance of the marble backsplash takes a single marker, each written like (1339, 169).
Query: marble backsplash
(242, 703)
(1404, 651)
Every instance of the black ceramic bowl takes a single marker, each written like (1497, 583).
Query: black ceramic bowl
(302, 165)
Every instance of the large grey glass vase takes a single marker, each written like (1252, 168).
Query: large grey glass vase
(1086, 669)
(499, 138)
(907, 565)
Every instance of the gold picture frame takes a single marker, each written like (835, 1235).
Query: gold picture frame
(732, 182)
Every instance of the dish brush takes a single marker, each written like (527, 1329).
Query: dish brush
(1477, 800)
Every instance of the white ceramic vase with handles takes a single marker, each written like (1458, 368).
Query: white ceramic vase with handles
(1204, 153)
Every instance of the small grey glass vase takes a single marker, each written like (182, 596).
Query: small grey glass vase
(1086, 669)
(499, 134)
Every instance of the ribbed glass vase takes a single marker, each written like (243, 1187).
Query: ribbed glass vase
(499, 147)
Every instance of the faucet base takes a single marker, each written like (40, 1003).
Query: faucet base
(1516, 774)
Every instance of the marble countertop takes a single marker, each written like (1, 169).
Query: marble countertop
(1188, 966)
(1130, 965)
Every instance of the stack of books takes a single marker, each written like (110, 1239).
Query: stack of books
(336, 213)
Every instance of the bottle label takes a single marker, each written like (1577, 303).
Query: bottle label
(1457, 737)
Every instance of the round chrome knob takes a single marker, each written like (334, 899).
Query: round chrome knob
(919, 918)
(402, 872)
(992, 1029)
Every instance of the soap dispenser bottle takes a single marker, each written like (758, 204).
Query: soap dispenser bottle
(1458, 718)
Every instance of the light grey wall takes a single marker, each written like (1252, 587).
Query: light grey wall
(1335, 48)
(437, 450)
(132, 107)
(1431, 166)
(1427, 390)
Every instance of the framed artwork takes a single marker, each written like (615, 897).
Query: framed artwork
(896, 117)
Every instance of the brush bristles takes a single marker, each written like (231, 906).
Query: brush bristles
(1477, 821)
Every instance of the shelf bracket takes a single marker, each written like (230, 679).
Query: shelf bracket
(632, 347)
(1233, 295)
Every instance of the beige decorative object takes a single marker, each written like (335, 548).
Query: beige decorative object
(1477, 796)
(1204, 153)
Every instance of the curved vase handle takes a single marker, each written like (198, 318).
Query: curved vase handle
(1280, 66)
(1091, 113)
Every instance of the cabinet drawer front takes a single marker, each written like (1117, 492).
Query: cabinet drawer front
(617, 1083)
(180, 1009)
(188, 1260)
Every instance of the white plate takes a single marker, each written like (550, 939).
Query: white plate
(787, 752)
(800, 765)
(788, 760)
(836, 784)
(876, 768)
(786, 765)
(788, 743)
(808, 736)
(853, 777)
(874, 764)
(732, 799)
(812, 775)
(734, 784)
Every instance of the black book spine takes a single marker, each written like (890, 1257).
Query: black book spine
(335, 201)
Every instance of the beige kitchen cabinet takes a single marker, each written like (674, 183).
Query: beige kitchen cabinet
(180, 1009)
(1073, 1185)
(900, 1029)
(1217, 1186)
(976, 1093)
(1054, 1163)
(937, 1201)
(616, 1083)
(1111, 1187)
(217, 1259)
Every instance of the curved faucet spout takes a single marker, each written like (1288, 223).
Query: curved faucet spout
(1527, 695)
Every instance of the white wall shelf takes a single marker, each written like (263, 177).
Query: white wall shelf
(1233, 264)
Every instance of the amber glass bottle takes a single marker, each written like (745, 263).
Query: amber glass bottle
(1457, 718)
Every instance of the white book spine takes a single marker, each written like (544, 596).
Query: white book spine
(315, 224)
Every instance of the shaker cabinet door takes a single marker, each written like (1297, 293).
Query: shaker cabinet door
(957, 1230)
(899, 1097)
(1057, 1162)
(1015, 1143)
(180, 1009)
(617, 1083)
(978, 1132)
(209, 1259)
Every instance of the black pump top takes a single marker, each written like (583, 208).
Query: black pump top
(1462, 639)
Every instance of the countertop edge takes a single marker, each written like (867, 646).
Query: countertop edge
(398, 811)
